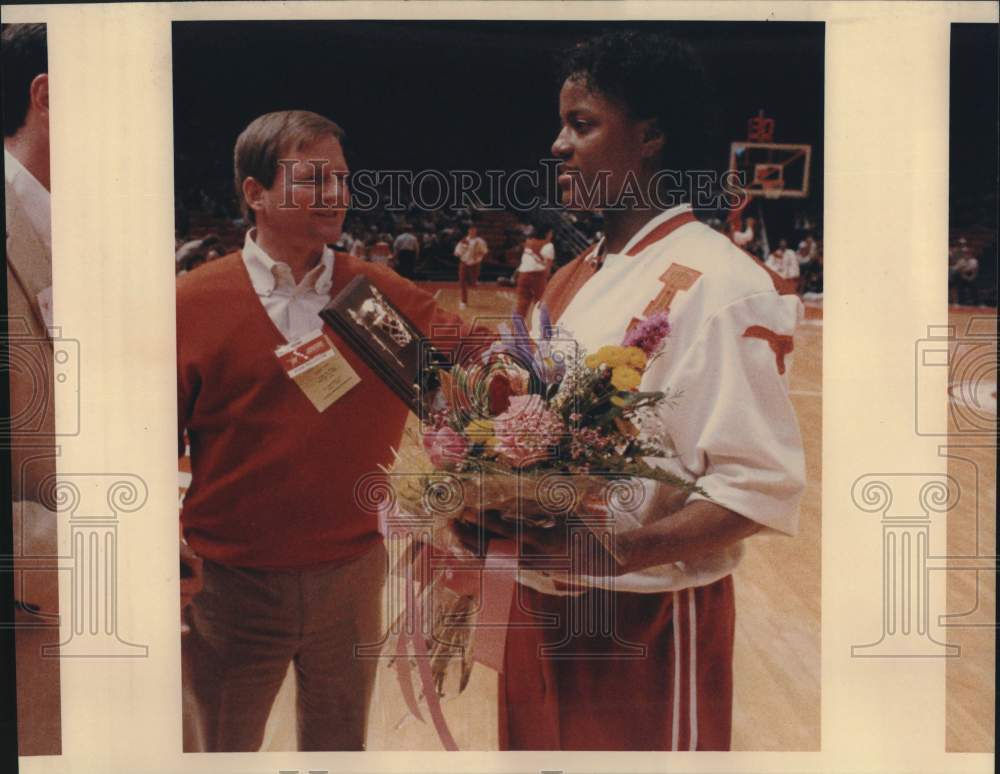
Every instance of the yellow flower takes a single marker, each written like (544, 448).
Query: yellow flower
(611, 356)
(635, 357)
(625, 378)
(481, 431)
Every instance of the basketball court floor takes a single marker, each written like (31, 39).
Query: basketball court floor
(972, 546)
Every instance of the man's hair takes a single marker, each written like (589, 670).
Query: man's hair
(24, 55)
(652, 75)
(268, 138)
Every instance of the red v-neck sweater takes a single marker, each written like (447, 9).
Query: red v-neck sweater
(272, 478)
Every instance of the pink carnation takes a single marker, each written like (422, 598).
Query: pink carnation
(445, 447)
(526, 430)
(649, 334)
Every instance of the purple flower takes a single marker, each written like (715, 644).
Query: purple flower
(649, 334)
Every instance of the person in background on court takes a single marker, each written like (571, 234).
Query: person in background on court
(28, 249)
(533, 273)
(291, 566)
(967, 272)
(744, 237)
(470, 251)
(633, 104)
(381, 250)
(785, 263)
(406, 252)
(806, 256)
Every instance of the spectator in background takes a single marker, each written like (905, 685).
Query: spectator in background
(192, 254)
(967, 272)
(783, 261)
(806, 255)
(406, 251)
(743, 237)
(988, 273)
(345, 243)
(470, 252)
(807, 249)
(381, 250)
(954, 254)
(359, 249)
(533, 274)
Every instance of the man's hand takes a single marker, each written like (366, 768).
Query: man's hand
(192, 577)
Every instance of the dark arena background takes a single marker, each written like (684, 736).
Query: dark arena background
(465, 96)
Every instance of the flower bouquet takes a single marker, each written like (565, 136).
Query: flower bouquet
(539, 432)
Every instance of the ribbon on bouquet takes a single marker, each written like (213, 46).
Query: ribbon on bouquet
(497, 573)
(490, 635)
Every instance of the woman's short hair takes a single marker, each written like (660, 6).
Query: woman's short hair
(653, 76)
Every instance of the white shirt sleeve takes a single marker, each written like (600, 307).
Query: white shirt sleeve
(548, 251)
(733, 424)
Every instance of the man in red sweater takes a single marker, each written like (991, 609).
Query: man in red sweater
(291, 568)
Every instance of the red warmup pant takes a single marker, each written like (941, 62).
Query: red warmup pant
(619, 671)
(468, 275)
(530, 287)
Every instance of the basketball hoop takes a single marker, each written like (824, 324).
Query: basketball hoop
(772, 170)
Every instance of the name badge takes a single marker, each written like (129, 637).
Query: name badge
(314, 364)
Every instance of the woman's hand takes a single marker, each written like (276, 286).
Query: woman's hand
(571, 547)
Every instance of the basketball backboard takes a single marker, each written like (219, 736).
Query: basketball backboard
(772, 169)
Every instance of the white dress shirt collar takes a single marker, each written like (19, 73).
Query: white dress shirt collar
(35, 200)
(267, 274)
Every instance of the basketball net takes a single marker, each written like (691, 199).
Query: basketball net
(771, 189)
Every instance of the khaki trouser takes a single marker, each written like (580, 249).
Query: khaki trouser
(247, 625)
